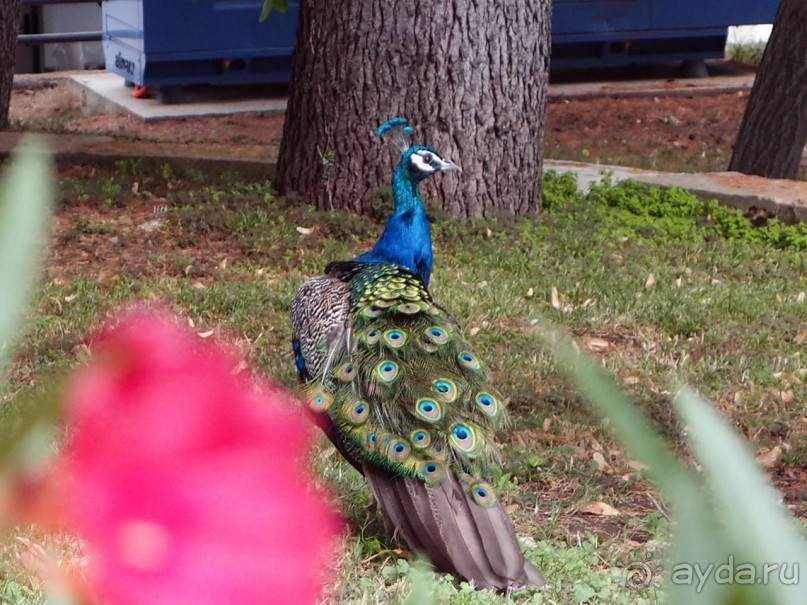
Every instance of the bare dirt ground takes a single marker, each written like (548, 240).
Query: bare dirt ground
(671, 133)
(97, 238)
(53, 108)
(668, 133)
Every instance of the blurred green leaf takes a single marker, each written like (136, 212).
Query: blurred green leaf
(696, 540)
(758, 526)
(630, 424)
(741, 525)
(26, 192)
(280, 6)
(422, 589)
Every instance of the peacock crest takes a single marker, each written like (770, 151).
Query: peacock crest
(403, 387)
(399, 130)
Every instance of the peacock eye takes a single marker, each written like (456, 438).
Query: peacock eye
(427, 157)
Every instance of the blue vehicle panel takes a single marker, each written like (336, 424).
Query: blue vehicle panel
(180, 42)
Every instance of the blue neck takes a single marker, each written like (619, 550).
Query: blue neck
(407, 239)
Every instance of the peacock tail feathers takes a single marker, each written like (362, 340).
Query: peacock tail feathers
(403, 387)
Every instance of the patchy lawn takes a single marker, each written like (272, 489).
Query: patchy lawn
(654, 300)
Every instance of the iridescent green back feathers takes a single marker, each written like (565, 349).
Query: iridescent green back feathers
(402, 386)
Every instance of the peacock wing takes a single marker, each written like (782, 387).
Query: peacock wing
(318, 314)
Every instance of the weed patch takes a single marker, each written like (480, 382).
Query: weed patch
(637, 211)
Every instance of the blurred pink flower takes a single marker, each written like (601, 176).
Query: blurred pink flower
(189, 482)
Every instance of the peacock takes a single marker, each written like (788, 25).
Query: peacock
(392, 381)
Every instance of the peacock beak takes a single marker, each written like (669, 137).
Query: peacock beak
(446, 165)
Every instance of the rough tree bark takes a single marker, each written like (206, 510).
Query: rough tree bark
(9, 27)
(470, 75)
(774, 128)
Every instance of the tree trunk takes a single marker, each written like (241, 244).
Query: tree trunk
(470, 75)
(9, 27)
(774, 128)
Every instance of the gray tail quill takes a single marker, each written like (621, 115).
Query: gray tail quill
(456, 534)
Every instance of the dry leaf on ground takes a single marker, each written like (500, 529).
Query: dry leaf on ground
(600, 509)
(769, 458)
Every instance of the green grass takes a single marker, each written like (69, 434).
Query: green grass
(659, 286)
(14, 593)
(746, 54)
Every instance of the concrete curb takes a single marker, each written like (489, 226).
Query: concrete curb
(105, 93)
(671, 87)
(784, 199)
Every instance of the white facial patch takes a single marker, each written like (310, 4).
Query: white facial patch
(422, 161)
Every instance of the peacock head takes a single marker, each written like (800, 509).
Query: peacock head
(418, 162)
(423, 161)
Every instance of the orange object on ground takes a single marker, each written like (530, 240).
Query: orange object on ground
(141, 92)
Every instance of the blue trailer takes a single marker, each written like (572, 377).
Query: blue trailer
(589, 33)
(170, 43)
(173, 43)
